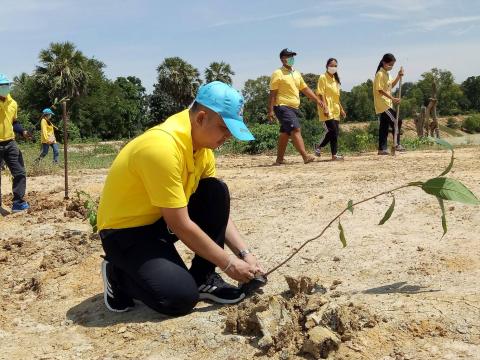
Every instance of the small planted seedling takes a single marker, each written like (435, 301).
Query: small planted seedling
(443, 188)
(90, 205)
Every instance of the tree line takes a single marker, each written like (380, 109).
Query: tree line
(102, 108)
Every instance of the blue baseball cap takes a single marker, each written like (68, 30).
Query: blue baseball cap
(48, 111)
(228, 103)
(4, 80)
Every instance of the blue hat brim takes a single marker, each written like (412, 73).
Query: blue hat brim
(238, 129)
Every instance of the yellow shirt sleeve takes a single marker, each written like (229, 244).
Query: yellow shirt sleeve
(303, 84)
(210, 170)
(275, 81)
(379, 82)
(321, 85)
(161, 173)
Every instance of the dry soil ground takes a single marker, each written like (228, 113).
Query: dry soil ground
(422, 291)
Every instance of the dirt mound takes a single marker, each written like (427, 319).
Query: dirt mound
(302, 320)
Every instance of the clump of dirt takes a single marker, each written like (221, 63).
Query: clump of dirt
(301, 321)
(75, 209)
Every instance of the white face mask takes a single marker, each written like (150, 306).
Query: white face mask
(332, 69)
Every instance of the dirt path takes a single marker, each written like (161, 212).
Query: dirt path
(424, 290)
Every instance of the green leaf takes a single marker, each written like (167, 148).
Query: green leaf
(350, 206)
(389, 212)
(444, 218)
(342, 234)
(450, 189)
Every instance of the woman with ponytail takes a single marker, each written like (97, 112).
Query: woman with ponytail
(383, 100)
(328, 89)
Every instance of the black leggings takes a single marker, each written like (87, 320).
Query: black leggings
(387, 120)
(331, 135)
(147, 267)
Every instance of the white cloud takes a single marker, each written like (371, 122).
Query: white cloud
(314, 22)
(246, 20)
(381, 16)
(434, 24)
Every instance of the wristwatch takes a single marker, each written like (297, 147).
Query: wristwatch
(243, 253)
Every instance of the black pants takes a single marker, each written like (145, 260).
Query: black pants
(147, 267)
(331, 135)
(11, 154)
(387, 120)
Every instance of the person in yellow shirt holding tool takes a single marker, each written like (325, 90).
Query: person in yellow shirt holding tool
(161, 188)
(384, 100)
(9, 151)
(328, 90)
(284, 101)
(48, 136)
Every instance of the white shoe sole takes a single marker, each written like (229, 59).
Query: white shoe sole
(206, 296)
(103, 268)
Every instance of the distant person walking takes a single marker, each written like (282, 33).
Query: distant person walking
(9, 151)
(48, 136)
(383, 100)
(284, 100)
(328, 90)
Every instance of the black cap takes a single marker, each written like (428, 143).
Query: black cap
(287, 52)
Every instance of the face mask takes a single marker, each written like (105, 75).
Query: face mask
(4, 90)
(332, 69)
(290, 61)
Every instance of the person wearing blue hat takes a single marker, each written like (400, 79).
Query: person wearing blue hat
(48, 136)
(9, 151)
(162, 188)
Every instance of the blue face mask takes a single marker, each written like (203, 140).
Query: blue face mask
(290, 61)
(4, 90)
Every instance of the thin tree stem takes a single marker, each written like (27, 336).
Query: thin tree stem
(330, 224)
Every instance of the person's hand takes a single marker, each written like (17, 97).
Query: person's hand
(396, 100)
(240, 270)
(323, 106)
(400, 72)
(252, 260)
(27, 135)
(271, 117)
(343, 114)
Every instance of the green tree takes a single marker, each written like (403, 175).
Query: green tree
(220, 71)
(62, 70)
(307, 107)
(359, 103)
(471, 89)
(256, 94)
(176, 87)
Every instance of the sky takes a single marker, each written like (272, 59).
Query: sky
(133, 37)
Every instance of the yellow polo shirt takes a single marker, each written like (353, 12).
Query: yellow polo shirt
(8, 113)
(382, 82)
(328, 87)
(158, 169)
(48, 134)
(288, 83)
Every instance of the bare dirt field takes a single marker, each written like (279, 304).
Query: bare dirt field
(397, 291)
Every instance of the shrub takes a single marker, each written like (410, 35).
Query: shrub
(452, 123)
(471, 124)
(356, 140)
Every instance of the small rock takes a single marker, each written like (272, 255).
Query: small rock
(419, 248)
(321, 341)
(122, 330)
(336, 258)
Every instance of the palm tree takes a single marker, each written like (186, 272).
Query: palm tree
(220, 71)
(63, 70)
(178, 79)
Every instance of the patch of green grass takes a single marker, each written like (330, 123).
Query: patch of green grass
(450, 131)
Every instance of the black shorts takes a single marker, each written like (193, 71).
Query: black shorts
(288, 118)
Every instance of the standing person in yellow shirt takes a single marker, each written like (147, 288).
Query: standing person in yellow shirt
(328, 90)
(161, 188)
(9, 151)
(384, 100)
(48, 136)
(284, 100)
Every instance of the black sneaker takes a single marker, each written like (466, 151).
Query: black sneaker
(216, 289)
(114, 299)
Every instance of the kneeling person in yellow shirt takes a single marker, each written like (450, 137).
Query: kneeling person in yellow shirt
(161, 188)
